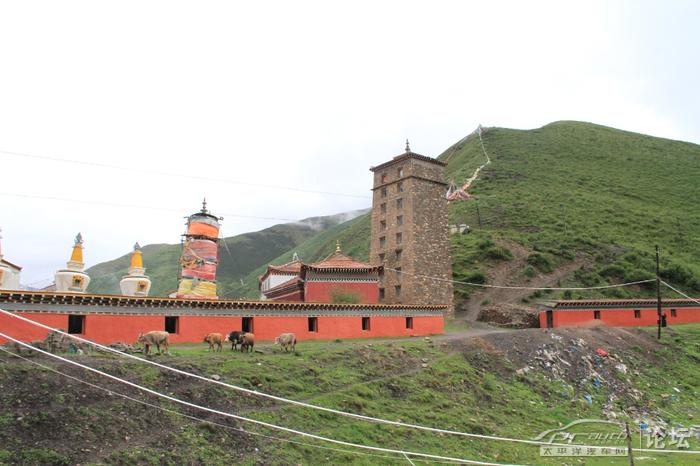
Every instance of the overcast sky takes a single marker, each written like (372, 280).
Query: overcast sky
(295, 94)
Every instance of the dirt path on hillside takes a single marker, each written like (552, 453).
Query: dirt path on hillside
(509, 273)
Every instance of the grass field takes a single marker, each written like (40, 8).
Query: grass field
(465, 384)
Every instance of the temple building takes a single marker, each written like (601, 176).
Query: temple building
(9, 273)
(72, 278)
(200, 256)
(336, 279)
(135, 283)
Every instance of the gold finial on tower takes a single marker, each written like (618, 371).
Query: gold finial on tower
(337, 245)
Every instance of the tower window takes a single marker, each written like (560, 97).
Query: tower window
(409, 322)
(382, 225)
(313, 324)
(247, 324)
(399, 220)
(399, 186)
(365, 323)
(77, 282)
(399, 238)
(172, 324)
(381, 257)
(383, 192)
(399, 203)
(637, 314)
(397, 290)
(400, 172)
(76, 324)
(381, 293)
(399, 253)
(398, 274)
(382, 208)
(382, 242)
(385, 177)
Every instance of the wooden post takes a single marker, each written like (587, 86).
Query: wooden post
(629, 444)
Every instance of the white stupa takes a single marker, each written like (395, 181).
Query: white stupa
(72, 278)
(136, 283)
(9, 273)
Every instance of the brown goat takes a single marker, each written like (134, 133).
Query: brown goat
(247, 342)
(214, 339)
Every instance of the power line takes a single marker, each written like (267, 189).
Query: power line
(244, 419)
(179, 175)
(507, 287)
(132, 206)
(680, 292)
(194, 418)
(300, 403)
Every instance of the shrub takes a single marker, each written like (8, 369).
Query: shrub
(499, 253)
(540, 262)
(529, 271)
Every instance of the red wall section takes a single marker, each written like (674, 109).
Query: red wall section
(619, 317)
(191, 329)
(321, 292)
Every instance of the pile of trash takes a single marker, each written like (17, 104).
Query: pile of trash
(57, 342)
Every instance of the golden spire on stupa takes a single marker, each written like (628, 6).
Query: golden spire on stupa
(76, 256)
(136, 257)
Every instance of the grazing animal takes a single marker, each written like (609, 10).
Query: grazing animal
(235, 338)
(214, 339)
(157, 338)
(247, 342)
(287, 341)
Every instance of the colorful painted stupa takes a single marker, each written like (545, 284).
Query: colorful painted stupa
(200, 256)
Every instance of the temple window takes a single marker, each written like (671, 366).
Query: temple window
(313, 324)
(399, 220)
(399, 238)
(637, 314)
(381, 293)
(382, 225)
(382, 208)
(409, 322)
(383, 192)
(400, 172)
(399, 186)
(385, 177)
(365, 323)
(247, 324)
(399, 203)
(77, 282)
(382, 242)
(397, 290)
(76, 324)
(596, 315)
(172, 324)
(673, 313)
(398, 254)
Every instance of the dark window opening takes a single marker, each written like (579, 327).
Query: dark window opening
(596, 314)
(365, 323)
(399, 220)
(142, 286)
(247, 325)
(637, 314)
(172, 324)
(409, 322)
(381, 293)
(399, 187)
(382, 242)
(383, 192)
(673, 313)
(382, 208)
(385, 178)
(399, 203)
(399, 238)
(397, 289)
(382, 225)
(76, 324)
(313, 324)
(398, 255)
(381, 258)
(398, 274)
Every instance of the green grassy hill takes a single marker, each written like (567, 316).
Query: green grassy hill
(238, 256)
(564, 192)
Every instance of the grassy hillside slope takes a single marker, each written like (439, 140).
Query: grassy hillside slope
(572, 188)
(238, 256)
(513, 384)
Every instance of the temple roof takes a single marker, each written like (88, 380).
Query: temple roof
(10, 264)
(340, 262)
(408, 155)
(288, 268)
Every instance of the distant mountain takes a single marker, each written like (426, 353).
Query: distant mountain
(239, 255)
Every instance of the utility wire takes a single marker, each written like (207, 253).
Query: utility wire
(307, 405)
(131, 206)
(680, 292)
(179, 175)
(244, 419)
(507, 287)
(194, 418)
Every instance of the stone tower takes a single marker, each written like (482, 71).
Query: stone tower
(410, 231)
(136, 283)
(72, 278)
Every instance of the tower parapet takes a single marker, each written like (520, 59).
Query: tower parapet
(72, 278)
(136, 283)
(9, 273)
(200, 256)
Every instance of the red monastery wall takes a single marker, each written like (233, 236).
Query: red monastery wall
(322, 292)
(191, 329)
(620, 317)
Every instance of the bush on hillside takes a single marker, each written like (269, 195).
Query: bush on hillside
(540, 262)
